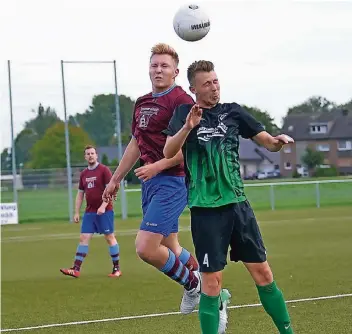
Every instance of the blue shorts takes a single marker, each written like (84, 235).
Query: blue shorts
(164, 198)
(94, 223)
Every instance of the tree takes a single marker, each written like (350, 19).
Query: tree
(264, 118)
(100, 118)
(114, 163)
(105, 160)
(347, 106)
(6, 159)
(34, 130)
(314, 104)
(49, 152)
(24, 142)
(312, 158)
(45, 118)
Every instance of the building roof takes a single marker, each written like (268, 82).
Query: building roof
(339, 124)
(109, 151)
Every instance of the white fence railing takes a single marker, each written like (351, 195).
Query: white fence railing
(273, 185)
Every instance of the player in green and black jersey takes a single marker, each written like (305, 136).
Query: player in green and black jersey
(221, 216)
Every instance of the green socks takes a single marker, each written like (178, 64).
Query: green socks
(274, 304)
(209, 314)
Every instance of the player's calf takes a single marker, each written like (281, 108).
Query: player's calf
(183, 254)
(213, 304)
(188, 260)
(81, 253)
(114, 250)
(270, 296)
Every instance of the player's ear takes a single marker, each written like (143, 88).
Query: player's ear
(177, 71)
(193, 91)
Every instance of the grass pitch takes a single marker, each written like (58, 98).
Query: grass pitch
(309, 251)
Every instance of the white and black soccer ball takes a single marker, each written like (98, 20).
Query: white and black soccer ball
(191, 23)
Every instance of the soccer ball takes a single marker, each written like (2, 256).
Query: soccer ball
(191, 23)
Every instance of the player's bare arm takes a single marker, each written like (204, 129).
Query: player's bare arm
(174, 144)
(146, 172)
(273, 144)
(78, 204)
(128, 160)
(102, 208)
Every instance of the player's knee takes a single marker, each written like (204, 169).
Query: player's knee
(110, 238)
(211, 283)
(84, 238)
(143, 251)
(263, 275)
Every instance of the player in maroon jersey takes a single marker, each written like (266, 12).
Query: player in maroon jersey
(163, 184)
(98, 216)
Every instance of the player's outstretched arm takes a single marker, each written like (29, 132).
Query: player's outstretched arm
(174, 143)
(129, 159)
(273, 144)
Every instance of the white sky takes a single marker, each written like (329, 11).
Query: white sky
(268, 54)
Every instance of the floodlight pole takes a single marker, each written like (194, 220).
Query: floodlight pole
(118, 135)
(13, 151)
(67, 141)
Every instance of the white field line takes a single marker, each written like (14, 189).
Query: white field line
(143, 316)
(129, 232)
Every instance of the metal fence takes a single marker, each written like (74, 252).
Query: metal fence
(43, 195)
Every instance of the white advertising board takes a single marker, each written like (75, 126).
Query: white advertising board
(9, 213)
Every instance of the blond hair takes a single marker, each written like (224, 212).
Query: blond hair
(88, 147)
(165, 49)
(199, 66)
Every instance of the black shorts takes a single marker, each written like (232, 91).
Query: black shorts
(215, 229)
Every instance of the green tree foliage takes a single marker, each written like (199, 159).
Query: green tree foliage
(34, 130)
(49, 152)
(6, 160)
(105, 160)
(100, 118)
(114, 163)
(264, 118)
(347, 106)
(314, 104)
(312, 158)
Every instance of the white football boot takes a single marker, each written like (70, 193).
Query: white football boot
(224, 301)
(191, 298)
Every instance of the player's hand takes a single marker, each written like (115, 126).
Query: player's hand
(110, 192)
(101, 210)
(147, 172)
(193, 117)
(283, 140)
(76, 218)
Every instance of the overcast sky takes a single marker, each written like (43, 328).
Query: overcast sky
(272, 55)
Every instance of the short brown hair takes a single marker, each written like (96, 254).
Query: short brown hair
(89, 147)
(199, 66)
(165, 49)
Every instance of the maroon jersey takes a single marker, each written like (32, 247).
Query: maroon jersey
(93, 183)
(152, 114)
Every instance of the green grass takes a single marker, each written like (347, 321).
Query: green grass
(309, 251)
(52, 204)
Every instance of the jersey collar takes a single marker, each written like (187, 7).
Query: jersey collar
(164, 92)
(91, 168)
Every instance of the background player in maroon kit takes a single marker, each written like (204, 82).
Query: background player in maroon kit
(98, 216)
(164, 194)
